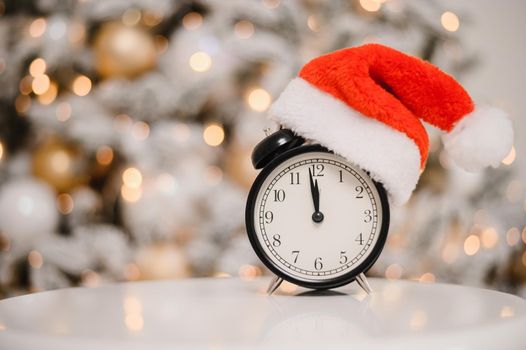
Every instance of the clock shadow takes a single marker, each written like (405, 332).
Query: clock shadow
(320, 293)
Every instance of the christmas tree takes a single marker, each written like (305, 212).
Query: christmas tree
(126, 131)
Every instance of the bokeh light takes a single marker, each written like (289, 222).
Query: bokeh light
(35, 259)
(259, 99)
(40, 84)
(244, 29)
(394, 271)
(200, 62)
(37, 27)
(471, 245)
(192, 21)
(213, 134)
(510, 157)
(370, 5)
(450, 21)
(81, 85)
(132, 178)
(131, 16)
(65, 203)
(37, 67)
(104, 155)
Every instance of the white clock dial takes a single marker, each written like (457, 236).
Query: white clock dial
(292, 233)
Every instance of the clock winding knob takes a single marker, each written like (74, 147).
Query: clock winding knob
(274, 145)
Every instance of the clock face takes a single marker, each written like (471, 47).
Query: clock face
(316, 220)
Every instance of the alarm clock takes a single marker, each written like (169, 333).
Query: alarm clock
(313, 218)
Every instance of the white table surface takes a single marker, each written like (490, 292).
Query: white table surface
(232, 313)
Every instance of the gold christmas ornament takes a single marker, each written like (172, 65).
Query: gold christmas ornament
(123, 51)
(59, 164)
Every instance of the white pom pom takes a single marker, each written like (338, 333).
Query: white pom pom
(482, 138)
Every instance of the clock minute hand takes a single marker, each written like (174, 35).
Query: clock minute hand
(317, 216)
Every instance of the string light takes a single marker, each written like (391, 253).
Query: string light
(25, 85)
(508, 160)
(131, 17)
(221, 274)
(192, 21)
(427, 277)
(313, 24)
(90, 278)
(37, 28)
(65, 203)
(489, 237)
(471, 245)
(40, 84)
(249, 272)
(244, 29)
(81, 85)
(37, 67)
(259, 99)
(141, 130)
(131, 189)
(132, 272)
(132, 178)
(104, 155)
(513, 236)
(213, 135)
(122, 122)
(200, 62)
(49, 96)
(1, 150)
(76, 33)
(271, 4)
(393, 272)
(22, 103)
(151, 18)
(450, 21)
(35, 259)
(63, 111)
(370, 5)
(130, 194)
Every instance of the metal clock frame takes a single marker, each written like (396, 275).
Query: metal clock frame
(252, 235)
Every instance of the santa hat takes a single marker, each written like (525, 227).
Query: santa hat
(367, 104)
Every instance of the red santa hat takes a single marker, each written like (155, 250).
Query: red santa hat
(367, 104)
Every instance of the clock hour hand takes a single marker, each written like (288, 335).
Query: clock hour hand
(317, 216)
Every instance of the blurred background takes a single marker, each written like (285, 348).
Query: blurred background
(126, 129)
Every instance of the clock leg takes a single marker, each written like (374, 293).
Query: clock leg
(362, 281)
(274, 284)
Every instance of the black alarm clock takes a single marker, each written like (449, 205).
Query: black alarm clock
(313, 218)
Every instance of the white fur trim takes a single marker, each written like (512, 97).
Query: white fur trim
(480, 139)
(389, 155)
